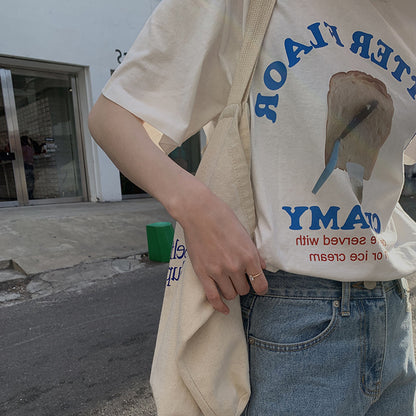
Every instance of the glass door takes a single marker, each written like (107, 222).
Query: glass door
(12, 182)
(40, 139)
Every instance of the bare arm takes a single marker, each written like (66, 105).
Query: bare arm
(220, 249)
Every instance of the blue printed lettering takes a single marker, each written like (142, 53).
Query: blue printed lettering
(318, 220)
(361, 40)
(355, 217)
(316, 32)
(276, 74)
(384, 53)
(401, 67)
(333, 30)
(263, 104)
(271, 82)
(318, 216)
(293, 49)
(295, 216)
(412, 91)
(376, 223)
(178, 251)
(174, 273)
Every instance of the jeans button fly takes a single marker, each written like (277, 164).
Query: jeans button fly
(370, 285)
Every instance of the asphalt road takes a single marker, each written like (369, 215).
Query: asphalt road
(82, 351)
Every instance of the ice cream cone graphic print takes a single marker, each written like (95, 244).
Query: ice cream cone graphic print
(360, 113)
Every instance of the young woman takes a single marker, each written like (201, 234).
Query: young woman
(332, 101)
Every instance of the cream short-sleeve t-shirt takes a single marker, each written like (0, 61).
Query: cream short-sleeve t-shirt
(333, 106)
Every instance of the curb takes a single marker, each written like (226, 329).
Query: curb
(16, 287)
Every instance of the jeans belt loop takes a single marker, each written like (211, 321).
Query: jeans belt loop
(404, 286)
(345, 301)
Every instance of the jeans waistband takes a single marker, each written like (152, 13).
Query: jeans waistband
(285, 284)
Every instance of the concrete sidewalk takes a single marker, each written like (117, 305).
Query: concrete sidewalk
(39, 239)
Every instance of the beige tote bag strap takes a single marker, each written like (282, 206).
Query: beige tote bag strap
(258, 18)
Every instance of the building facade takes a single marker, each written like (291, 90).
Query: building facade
(54, 60)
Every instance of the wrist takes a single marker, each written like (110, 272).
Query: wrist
(188, 199)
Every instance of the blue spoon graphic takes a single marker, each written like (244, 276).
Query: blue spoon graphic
(332, 163)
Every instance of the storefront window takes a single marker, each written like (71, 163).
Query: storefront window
(40, 156)
(46, 123)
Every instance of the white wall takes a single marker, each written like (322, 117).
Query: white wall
(78, 32)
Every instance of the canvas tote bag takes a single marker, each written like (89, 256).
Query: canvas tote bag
(200, 364)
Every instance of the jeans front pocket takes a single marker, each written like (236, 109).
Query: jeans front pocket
(291, 324)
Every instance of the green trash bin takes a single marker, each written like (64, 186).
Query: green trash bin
(159, 241)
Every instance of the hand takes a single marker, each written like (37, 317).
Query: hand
(221, 251)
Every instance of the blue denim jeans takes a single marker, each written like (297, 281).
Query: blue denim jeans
(323, 347)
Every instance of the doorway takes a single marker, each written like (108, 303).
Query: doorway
(41, 159)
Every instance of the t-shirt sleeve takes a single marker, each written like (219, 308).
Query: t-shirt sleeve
(177, 75)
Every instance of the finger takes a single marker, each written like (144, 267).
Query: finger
(226, 287)
(213, 295)
(240, 283)
(258, 282)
